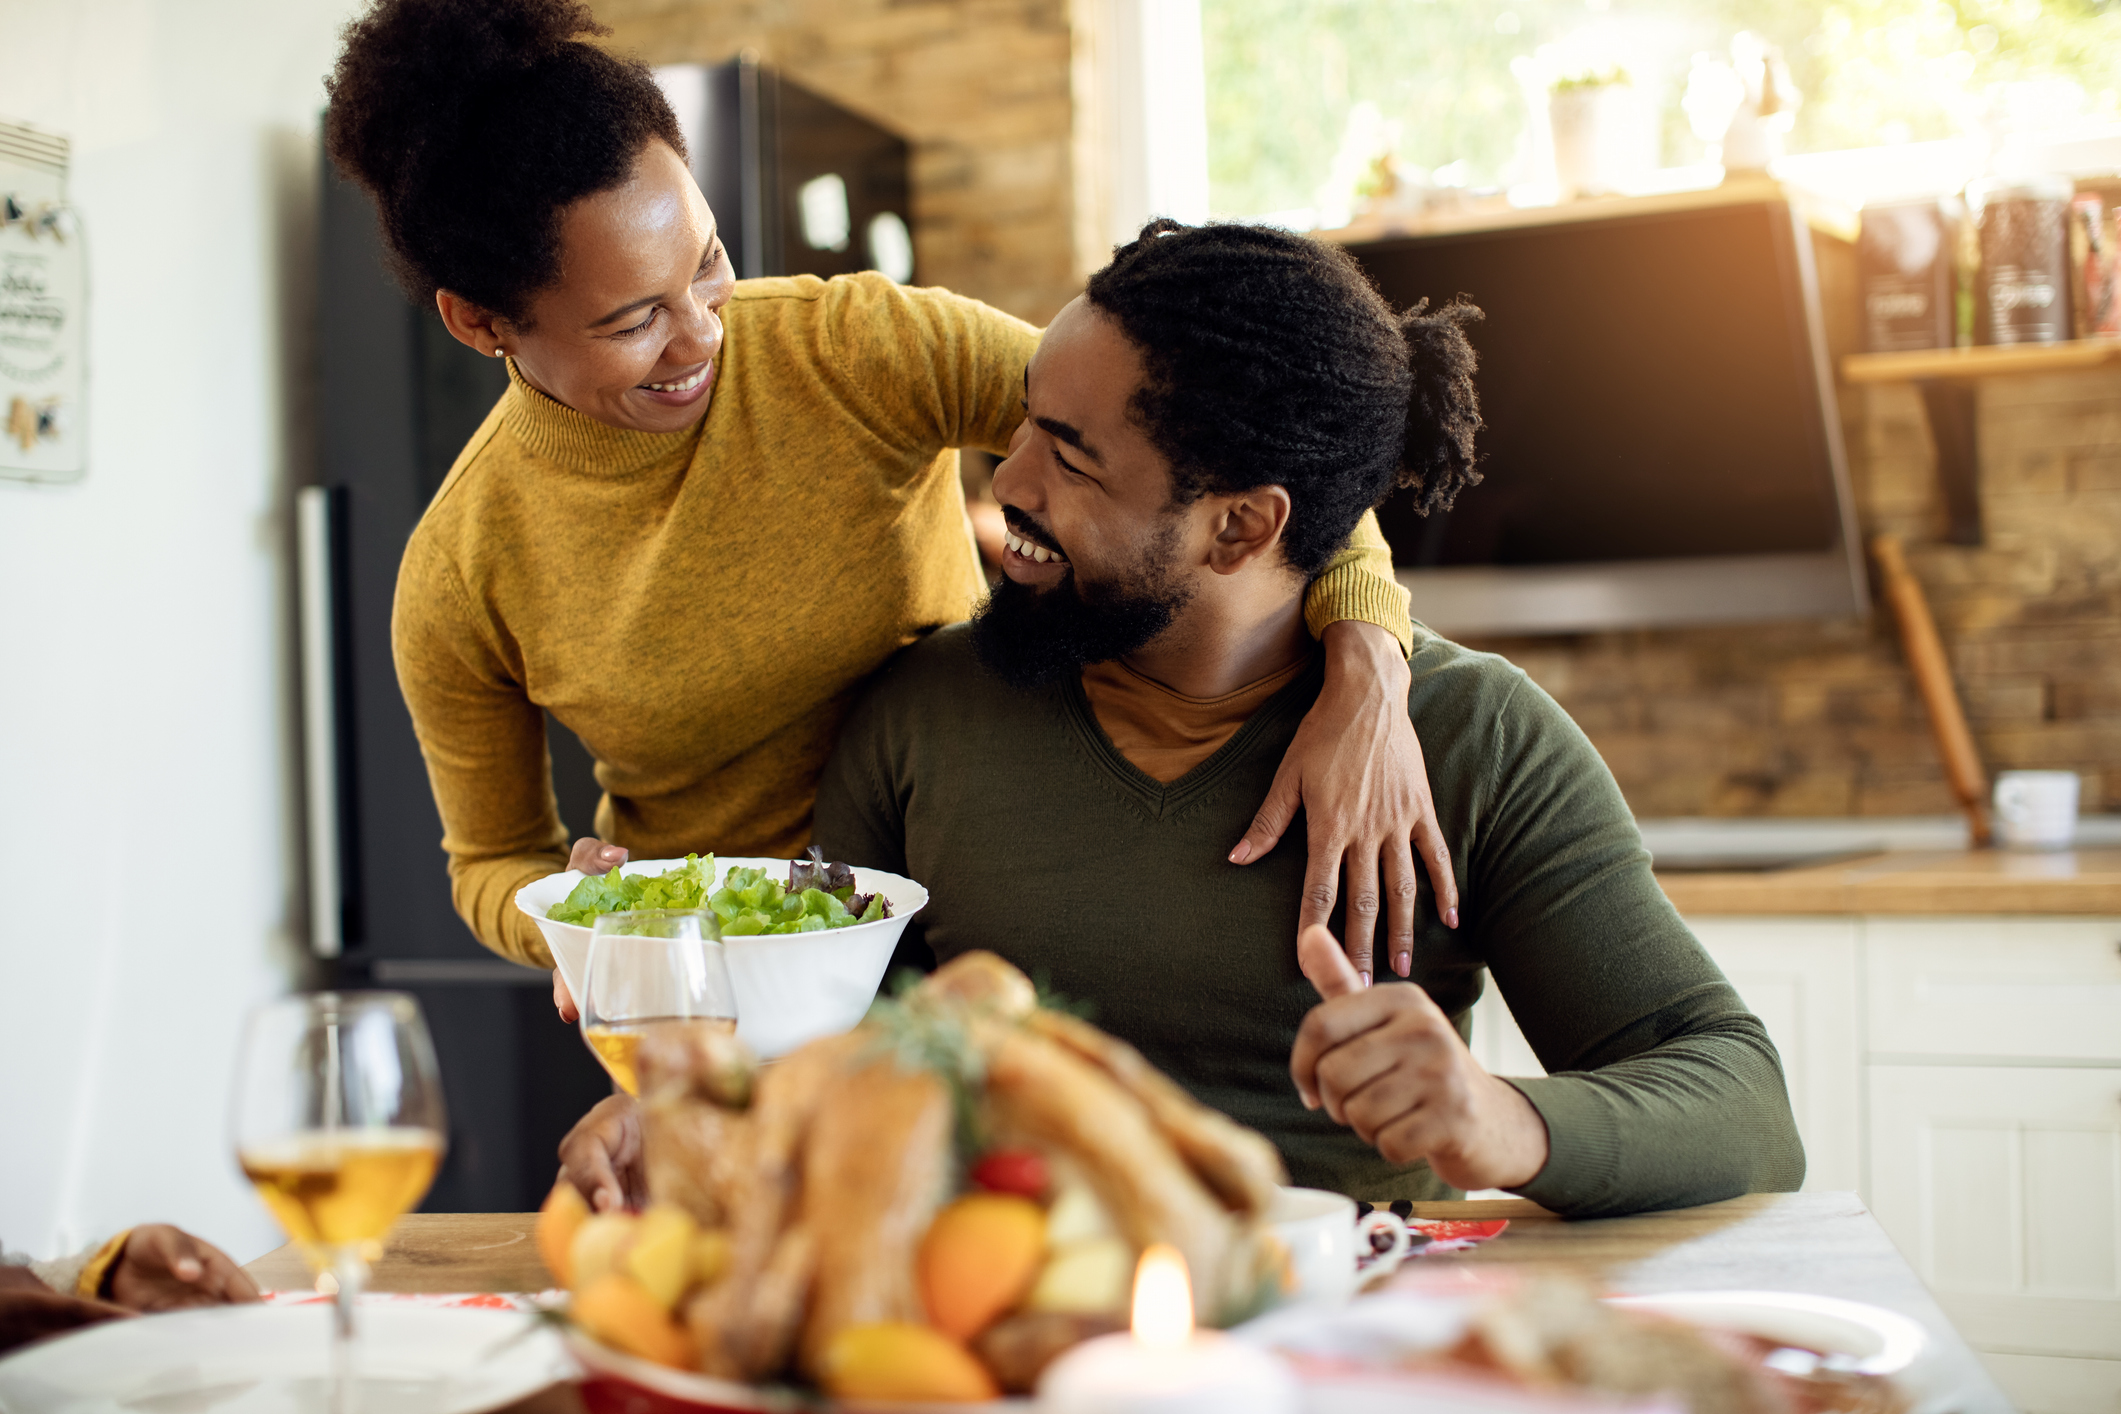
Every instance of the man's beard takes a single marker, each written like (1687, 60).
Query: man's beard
(1034, 637)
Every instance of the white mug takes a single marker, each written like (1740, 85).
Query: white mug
(2037, 809)
(1331, 1249)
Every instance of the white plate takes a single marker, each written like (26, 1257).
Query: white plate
(253, 1359)
(1392, 1325)
(1857, 1338)
(790, 987)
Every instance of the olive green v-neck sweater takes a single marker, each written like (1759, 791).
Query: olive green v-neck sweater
(699, 607)
(1037, 839)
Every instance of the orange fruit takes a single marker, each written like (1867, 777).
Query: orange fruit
(977, 1259)
(564, 1211)
(898, 1360)
(618, 1311)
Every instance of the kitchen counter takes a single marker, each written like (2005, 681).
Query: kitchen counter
(1945, 881)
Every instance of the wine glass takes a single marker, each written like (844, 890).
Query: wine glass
(338, 1124)
(648, 966)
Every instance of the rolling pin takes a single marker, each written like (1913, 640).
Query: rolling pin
(1933, 676)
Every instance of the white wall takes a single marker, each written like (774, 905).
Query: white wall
(148, 878)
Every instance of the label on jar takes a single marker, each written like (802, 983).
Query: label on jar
(2025, 271)
(1901, 313)
(1905, 261)
(2013, 289)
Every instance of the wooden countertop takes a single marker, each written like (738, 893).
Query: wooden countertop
(432, 1252)
(1826, 1244)
(2081, 881)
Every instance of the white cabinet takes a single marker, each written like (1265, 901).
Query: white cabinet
(2002, 1186)
(1965, 1077)
(1963, 1074)
(1498, 1045)
(1993, 1050)
(1799, 976)
(2053, 1384)
(2040, 988)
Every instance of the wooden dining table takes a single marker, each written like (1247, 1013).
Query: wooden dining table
(1823, 1244)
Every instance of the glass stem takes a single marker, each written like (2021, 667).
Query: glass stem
(351, 1273)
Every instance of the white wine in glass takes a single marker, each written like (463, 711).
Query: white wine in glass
(342, 1190)
(649, 966)
(338, 1123)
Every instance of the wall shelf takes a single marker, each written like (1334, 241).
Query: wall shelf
(1947, 380)
(2074, 356)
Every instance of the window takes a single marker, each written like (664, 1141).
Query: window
(1301, 92)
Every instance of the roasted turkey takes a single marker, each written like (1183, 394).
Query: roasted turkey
(827, 1168)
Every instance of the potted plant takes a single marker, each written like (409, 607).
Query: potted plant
(1596, 116)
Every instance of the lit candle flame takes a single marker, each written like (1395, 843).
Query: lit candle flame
(1163, 1298)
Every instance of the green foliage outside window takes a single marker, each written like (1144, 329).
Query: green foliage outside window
(1284, 75)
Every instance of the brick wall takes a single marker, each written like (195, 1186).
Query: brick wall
(1823, 719)
(981, 88)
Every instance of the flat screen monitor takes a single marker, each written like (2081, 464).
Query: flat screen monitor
(1662, 444)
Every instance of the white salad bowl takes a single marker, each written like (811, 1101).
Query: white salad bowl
(790, 987)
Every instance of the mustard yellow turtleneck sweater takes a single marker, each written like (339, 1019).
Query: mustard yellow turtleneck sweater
(699, 606)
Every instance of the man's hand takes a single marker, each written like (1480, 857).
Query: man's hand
(1356, 770)
(590, 856)
(601, 1156)
(1386, 1062)
(167, 1269)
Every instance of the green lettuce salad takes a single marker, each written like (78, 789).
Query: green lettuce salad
(683, 887)
(749, 903)
(818, 895)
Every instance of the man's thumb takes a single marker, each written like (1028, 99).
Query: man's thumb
(1323, 961)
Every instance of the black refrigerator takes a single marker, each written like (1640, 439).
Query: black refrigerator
(798, 186)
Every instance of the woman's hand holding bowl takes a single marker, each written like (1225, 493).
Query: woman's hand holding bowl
(590, 855)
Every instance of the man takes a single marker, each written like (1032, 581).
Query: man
(1206, 425)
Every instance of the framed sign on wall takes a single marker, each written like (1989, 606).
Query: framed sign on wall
(43, 313)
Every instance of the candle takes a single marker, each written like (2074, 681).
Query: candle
(1164, 1365)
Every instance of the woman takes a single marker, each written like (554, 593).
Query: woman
(704, 512)
(154, 1267)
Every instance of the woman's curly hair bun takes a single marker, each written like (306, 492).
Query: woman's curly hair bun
(474, 124)
(1272, 360)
